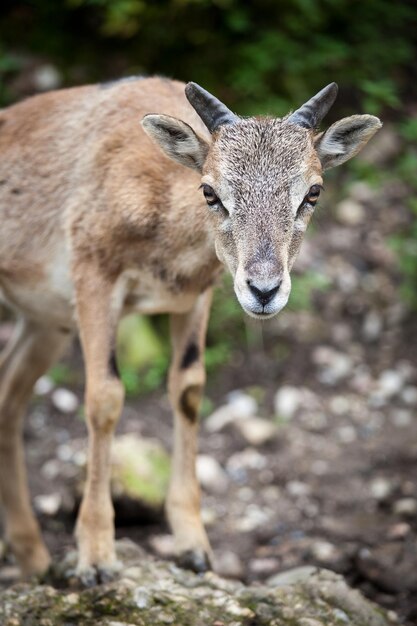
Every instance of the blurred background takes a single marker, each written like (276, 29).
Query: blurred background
(312, 453)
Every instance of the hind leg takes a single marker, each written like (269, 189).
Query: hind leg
(25, 359)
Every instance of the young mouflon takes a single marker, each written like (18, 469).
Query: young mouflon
(99, 217)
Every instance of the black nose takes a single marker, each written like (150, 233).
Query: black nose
(264, 296)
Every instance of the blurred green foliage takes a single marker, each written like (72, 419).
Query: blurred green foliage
(405, 242)
(260, 56)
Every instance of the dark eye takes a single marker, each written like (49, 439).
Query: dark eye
(211, 198)
(313, 194)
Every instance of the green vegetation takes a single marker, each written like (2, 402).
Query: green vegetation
(405, 242)
(260, 56)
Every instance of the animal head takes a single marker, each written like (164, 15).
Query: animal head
(261, 178)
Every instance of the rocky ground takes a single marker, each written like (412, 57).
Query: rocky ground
(152, 593)
(310, 457)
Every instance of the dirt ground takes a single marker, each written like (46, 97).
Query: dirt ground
(336, 485)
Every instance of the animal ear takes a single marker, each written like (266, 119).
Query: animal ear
(345, 138)
(177, 139)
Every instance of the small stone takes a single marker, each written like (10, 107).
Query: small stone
(246, 494)
(398, 531)
(208, 516)
(48, 504)
(65, 400)
(71, 598)
(298, 489)
(334, 366)
(256, 430)
(142, 598)
(341, 616)
(350, 212)
(249, 458)
(339, 405)
(286, 401)
(240, 406)
(210, 474)
(242, 402)
(46, 77)
(406, 507)
(43, 386)
(163, 545)
(320, 467)
(390, 383)
(325, 552)
(372, 326)
(264, 567)
(347, 434)
(65, 452)
(229, 565)
(409, 395)
(254, 517)
(380, 489)
(292, 576)
(402, 418)
(315, 421)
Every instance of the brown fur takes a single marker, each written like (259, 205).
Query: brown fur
(96, 221)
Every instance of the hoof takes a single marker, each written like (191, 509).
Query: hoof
(85, 577)
(97, 574)
(197, 561)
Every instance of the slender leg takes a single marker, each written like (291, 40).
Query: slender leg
(30, 353)
(186, 383)
(104, 401)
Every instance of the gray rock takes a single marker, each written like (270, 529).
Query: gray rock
(406, 507)
(229, 565)
(325, 552)
(398, 531)
(210, 474)
(293, 576)
(65, 400)
(346, 434)
(333, 366)
(157, 592)
(286, 401)
(409, 395)
(46, 77)
(390, 383)
(350, 212)
(380, 489)
(402, 417)
(298, 489)
(43, 386)
(256, 430)
(163, 545)
(239, 406)
(48, 504)
(372, 326)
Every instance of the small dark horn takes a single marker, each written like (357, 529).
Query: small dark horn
(312, 112)
(213, 112)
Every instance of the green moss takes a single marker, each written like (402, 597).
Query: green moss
(141, 470)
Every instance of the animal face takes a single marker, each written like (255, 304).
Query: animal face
(261, 178)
